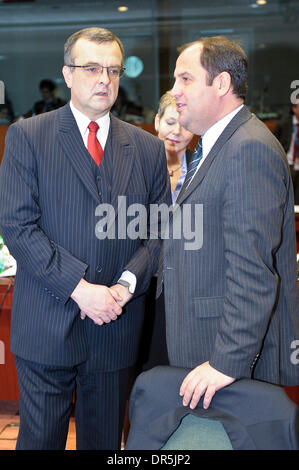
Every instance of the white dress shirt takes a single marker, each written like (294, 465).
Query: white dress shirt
(83, 121)
(211, 135)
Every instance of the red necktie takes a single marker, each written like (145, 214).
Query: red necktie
(93, 145)
(296, 145)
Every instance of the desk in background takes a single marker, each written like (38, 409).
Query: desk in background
(8, 375)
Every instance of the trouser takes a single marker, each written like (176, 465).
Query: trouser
(46, 395)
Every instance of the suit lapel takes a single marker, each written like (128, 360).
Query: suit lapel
(240, 118)
(74, 148)
(121, 151)
(123, 154)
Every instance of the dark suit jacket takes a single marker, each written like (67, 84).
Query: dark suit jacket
(233, 300)
(48, 198)
(255, 415)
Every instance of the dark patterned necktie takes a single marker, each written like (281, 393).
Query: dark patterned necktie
(194, 161)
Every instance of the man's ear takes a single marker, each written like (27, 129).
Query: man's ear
(68, 76)
(223, 83)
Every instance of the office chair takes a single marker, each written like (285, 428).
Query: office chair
(246, 415)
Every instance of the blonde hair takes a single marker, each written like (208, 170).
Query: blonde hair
(165, 101)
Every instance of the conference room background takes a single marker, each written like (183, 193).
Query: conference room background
(32, 34)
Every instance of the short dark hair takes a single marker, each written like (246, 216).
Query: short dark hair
(98, 35)
(220, 54)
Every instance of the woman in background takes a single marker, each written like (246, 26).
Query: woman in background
(176, 140)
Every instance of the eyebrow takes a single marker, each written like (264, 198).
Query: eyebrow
(183, 73)
(100, 65)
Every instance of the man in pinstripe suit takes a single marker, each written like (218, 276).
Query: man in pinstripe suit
(78, 299)
(232, 307)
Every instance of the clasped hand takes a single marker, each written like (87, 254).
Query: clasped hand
(100, 303)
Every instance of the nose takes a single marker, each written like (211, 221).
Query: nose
(103, 77)
(175, 90)
(177, 129)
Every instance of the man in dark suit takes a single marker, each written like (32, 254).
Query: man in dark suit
(287, 132)
(232, 307)
(78, 296)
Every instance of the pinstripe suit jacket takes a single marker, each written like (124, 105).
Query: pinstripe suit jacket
(48, 199)
(234, 302)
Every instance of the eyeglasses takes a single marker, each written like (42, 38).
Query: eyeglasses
(114, 71)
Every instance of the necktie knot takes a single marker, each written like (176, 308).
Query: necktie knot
(93, 126)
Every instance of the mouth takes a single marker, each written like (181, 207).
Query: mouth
(179, 107)
(101, 94)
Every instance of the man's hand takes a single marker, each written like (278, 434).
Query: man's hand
(122, 292)
(203, 380)
(97, 302)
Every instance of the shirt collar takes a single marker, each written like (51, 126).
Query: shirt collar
(83, 121)
(211, 135)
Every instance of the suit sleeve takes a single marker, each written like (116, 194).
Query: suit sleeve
(144, 263)
(255, 200)
(47, 262)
